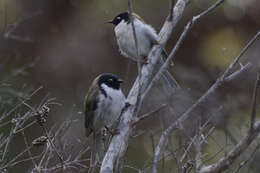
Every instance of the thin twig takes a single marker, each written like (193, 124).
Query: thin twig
(238, 72)
(25, 127)
(151, 135)
(52, 144)
(220, 150)
(132, 19)
(165, 157)
(13, 161)
(251, 157)
(19, 161)
(198, 153)
(249, 44)
(28, 148)
(142, 117)
(194, 139)
(22, 102)
(255, 101)
(7, 143)
(130, 7)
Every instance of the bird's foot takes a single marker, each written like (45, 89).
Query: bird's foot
(104, 133)
(143, 60)
(146, 61)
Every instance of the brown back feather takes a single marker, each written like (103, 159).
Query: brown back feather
(92, 89)
(138, 17)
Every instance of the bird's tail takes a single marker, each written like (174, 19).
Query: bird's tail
(98, 151)
(167, 78)
(170, 80)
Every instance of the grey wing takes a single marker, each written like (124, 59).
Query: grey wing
(151, 34)
(90, 109)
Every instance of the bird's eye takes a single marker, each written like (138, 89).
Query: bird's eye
(118, 18)
(110, 80)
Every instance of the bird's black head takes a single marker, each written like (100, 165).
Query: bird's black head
(122, 16)
(110, 80)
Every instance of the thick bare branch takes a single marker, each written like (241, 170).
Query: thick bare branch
(119, 142)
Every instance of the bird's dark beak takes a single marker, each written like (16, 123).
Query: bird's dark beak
(120, 81)
(110, 21)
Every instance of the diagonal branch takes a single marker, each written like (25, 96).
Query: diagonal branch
(238, 72)
(140, 118)
(251, 157)
(248, 45)
(119, 143)
(179, 42)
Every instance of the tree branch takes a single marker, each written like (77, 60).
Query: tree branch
(140, 118)
(252, 156)
(177, 45)
(254, 101)
(253, 132)
(226, 161)
(119, 143)
(186, 114)
(158, 75)
(228, 70)
(238, 72)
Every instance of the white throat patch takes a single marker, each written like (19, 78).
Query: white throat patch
(111, 92)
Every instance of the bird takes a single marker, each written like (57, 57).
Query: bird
(146, 37)
(103, 104)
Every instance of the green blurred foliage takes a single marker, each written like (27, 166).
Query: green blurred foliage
(219, 48)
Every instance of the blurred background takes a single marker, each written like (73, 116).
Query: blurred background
(62, 45)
